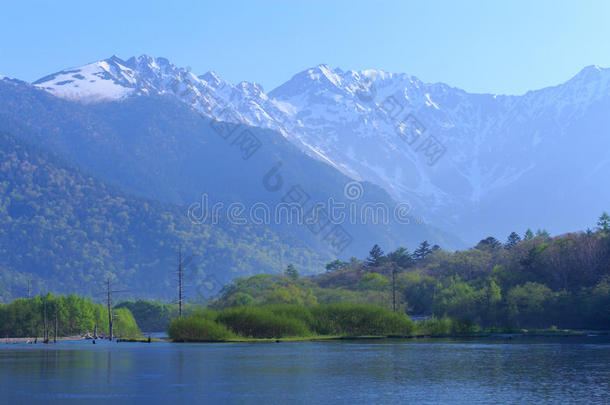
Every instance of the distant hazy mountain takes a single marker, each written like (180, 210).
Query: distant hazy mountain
(474, 164)
(156, 147)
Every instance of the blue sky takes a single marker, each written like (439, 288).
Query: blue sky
(481, 46)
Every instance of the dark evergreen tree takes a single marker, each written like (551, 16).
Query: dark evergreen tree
(512, 240)
(336, 265)
(422, 251)
(604, 222)
(489, 243)
(401, 257)
(292, 272)
(528, 235)
(376, 256)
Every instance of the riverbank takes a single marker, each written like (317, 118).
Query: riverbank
(38, 339)
(287, 323)
(514, 334)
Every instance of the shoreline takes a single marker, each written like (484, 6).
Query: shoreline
(507, 335)
(495, 335)
(13, 340)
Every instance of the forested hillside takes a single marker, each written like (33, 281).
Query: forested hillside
(534, 281)
(67, 232)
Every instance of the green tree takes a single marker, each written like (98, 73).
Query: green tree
(292, 272)
(336, 265)
(512, 240)
(373, 281)
(376, 257)
(604, 222)
(489, 243)
(401, 257)
(528, 235)
(422, 251)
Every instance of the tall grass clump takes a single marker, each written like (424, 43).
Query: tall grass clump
(262, 322)
(299, 312)
(360, 320)
(199, 327)
(446, 326)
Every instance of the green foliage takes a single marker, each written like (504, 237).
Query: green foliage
(489, 243)
(402, 258)
(198, 328)
(125, 325)
(512, 240)
(277, 321)
(376, 257)
(422, 251)
(527, 304)
(373, 281)
(446, 326)
(360, 320)
(152, 316)
(534, 283)
(604, 222)
(64, 231)
(336, 265)
(75, 316)
(262, 322)
(292, 272)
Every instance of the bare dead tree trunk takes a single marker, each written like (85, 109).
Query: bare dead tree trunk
(56, 326)
(109, 314)
(394, 288)
(45, 333)
(180, 281)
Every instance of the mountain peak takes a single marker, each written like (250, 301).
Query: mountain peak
(115, 58)
(591, 72)
(211, 78)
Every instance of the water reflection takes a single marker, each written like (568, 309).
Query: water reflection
(469, 371)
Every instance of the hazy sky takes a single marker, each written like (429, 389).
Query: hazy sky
(481, 46)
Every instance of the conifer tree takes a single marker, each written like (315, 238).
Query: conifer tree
(604, 222)
(512, 240)
(292, 272)
(376, 256)
(422, 251)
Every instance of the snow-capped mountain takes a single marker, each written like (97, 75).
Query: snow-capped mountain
(457, 157)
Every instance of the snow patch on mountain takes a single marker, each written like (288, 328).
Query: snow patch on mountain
(98, 81)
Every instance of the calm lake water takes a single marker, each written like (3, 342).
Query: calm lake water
(490, 370)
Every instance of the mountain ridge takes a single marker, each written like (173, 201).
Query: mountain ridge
(359, 123)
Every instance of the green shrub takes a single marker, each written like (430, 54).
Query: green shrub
(434, 326)
(446, 326)
(300, 312)
(261, 322)
(360, 320)
(198, 328)
(463, 326)
(125, 325)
